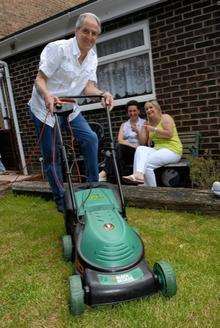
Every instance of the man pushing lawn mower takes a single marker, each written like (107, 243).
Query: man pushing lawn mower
(109, 255)
(67, 67)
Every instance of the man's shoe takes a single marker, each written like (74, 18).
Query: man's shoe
(60, 208)
(60, 204)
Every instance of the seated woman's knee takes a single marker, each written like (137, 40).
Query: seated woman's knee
(153, 161)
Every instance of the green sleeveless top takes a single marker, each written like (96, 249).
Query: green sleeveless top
(173, 143)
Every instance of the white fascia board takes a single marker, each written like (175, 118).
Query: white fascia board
(63, 25)
(119, 102)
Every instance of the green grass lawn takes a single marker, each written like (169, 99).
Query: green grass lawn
(34, 277)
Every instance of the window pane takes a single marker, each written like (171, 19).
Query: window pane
(123, 42)
(127, 77)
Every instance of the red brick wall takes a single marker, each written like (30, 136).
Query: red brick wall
(185, 43)
(185, 52)
(17, 14)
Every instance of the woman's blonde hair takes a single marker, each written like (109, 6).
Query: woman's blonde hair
(154, 103)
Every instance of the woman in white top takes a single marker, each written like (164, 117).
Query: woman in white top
(131, 135)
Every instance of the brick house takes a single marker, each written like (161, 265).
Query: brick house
(14, 17)
(163, 49)
(18, 15)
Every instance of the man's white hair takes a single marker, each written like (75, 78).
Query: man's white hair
(82, 17)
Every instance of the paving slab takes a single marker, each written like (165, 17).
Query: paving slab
(9, 177)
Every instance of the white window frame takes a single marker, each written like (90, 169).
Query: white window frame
(146, 48)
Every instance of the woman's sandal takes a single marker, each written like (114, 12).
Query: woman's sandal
(132, 179)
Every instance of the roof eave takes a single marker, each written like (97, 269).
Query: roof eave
(61, 25)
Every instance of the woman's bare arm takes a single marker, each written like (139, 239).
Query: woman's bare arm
(166, 131)
(121, 137)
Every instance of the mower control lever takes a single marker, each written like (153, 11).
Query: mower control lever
(64, 101)
(60, 111)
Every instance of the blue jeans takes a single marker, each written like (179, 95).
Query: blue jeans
(51, 151)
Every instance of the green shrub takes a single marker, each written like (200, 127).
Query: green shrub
(203, 172)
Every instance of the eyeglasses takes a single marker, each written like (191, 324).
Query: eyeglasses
(88, 32)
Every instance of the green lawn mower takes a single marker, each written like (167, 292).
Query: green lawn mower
(108, 253)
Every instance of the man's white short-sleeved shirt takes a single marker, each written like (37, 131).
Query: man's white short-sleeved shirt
(66, 76)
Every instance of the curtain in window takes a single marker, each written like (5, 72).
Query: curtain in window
(121, 43)
(126, 77)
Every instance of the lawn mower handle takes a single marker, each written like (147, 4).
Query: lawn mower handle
(112, 148)
(71, 99)
(68, 171)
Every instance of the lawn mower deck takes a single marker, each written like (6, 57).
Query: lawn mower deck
(108, 253)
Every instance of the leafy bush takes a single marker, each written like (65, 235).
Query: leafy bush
(203, 171)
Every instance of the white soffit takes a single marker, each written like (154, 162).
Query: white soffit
(62, 25)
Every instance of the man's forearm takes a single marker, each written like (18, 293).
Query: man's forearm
(41, 85)
(92, 89)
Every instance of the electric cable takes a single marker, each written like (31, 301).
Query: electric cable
(53, 154)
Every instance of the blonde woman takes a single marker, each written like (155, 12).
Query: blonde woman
(167, 146)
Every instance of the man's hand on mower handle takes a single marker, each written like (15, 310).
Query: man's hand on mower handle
(107, 100)
(50, 102)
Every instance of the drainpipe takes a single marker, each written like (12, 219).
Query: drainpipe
(15, 119)
(5, 114)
